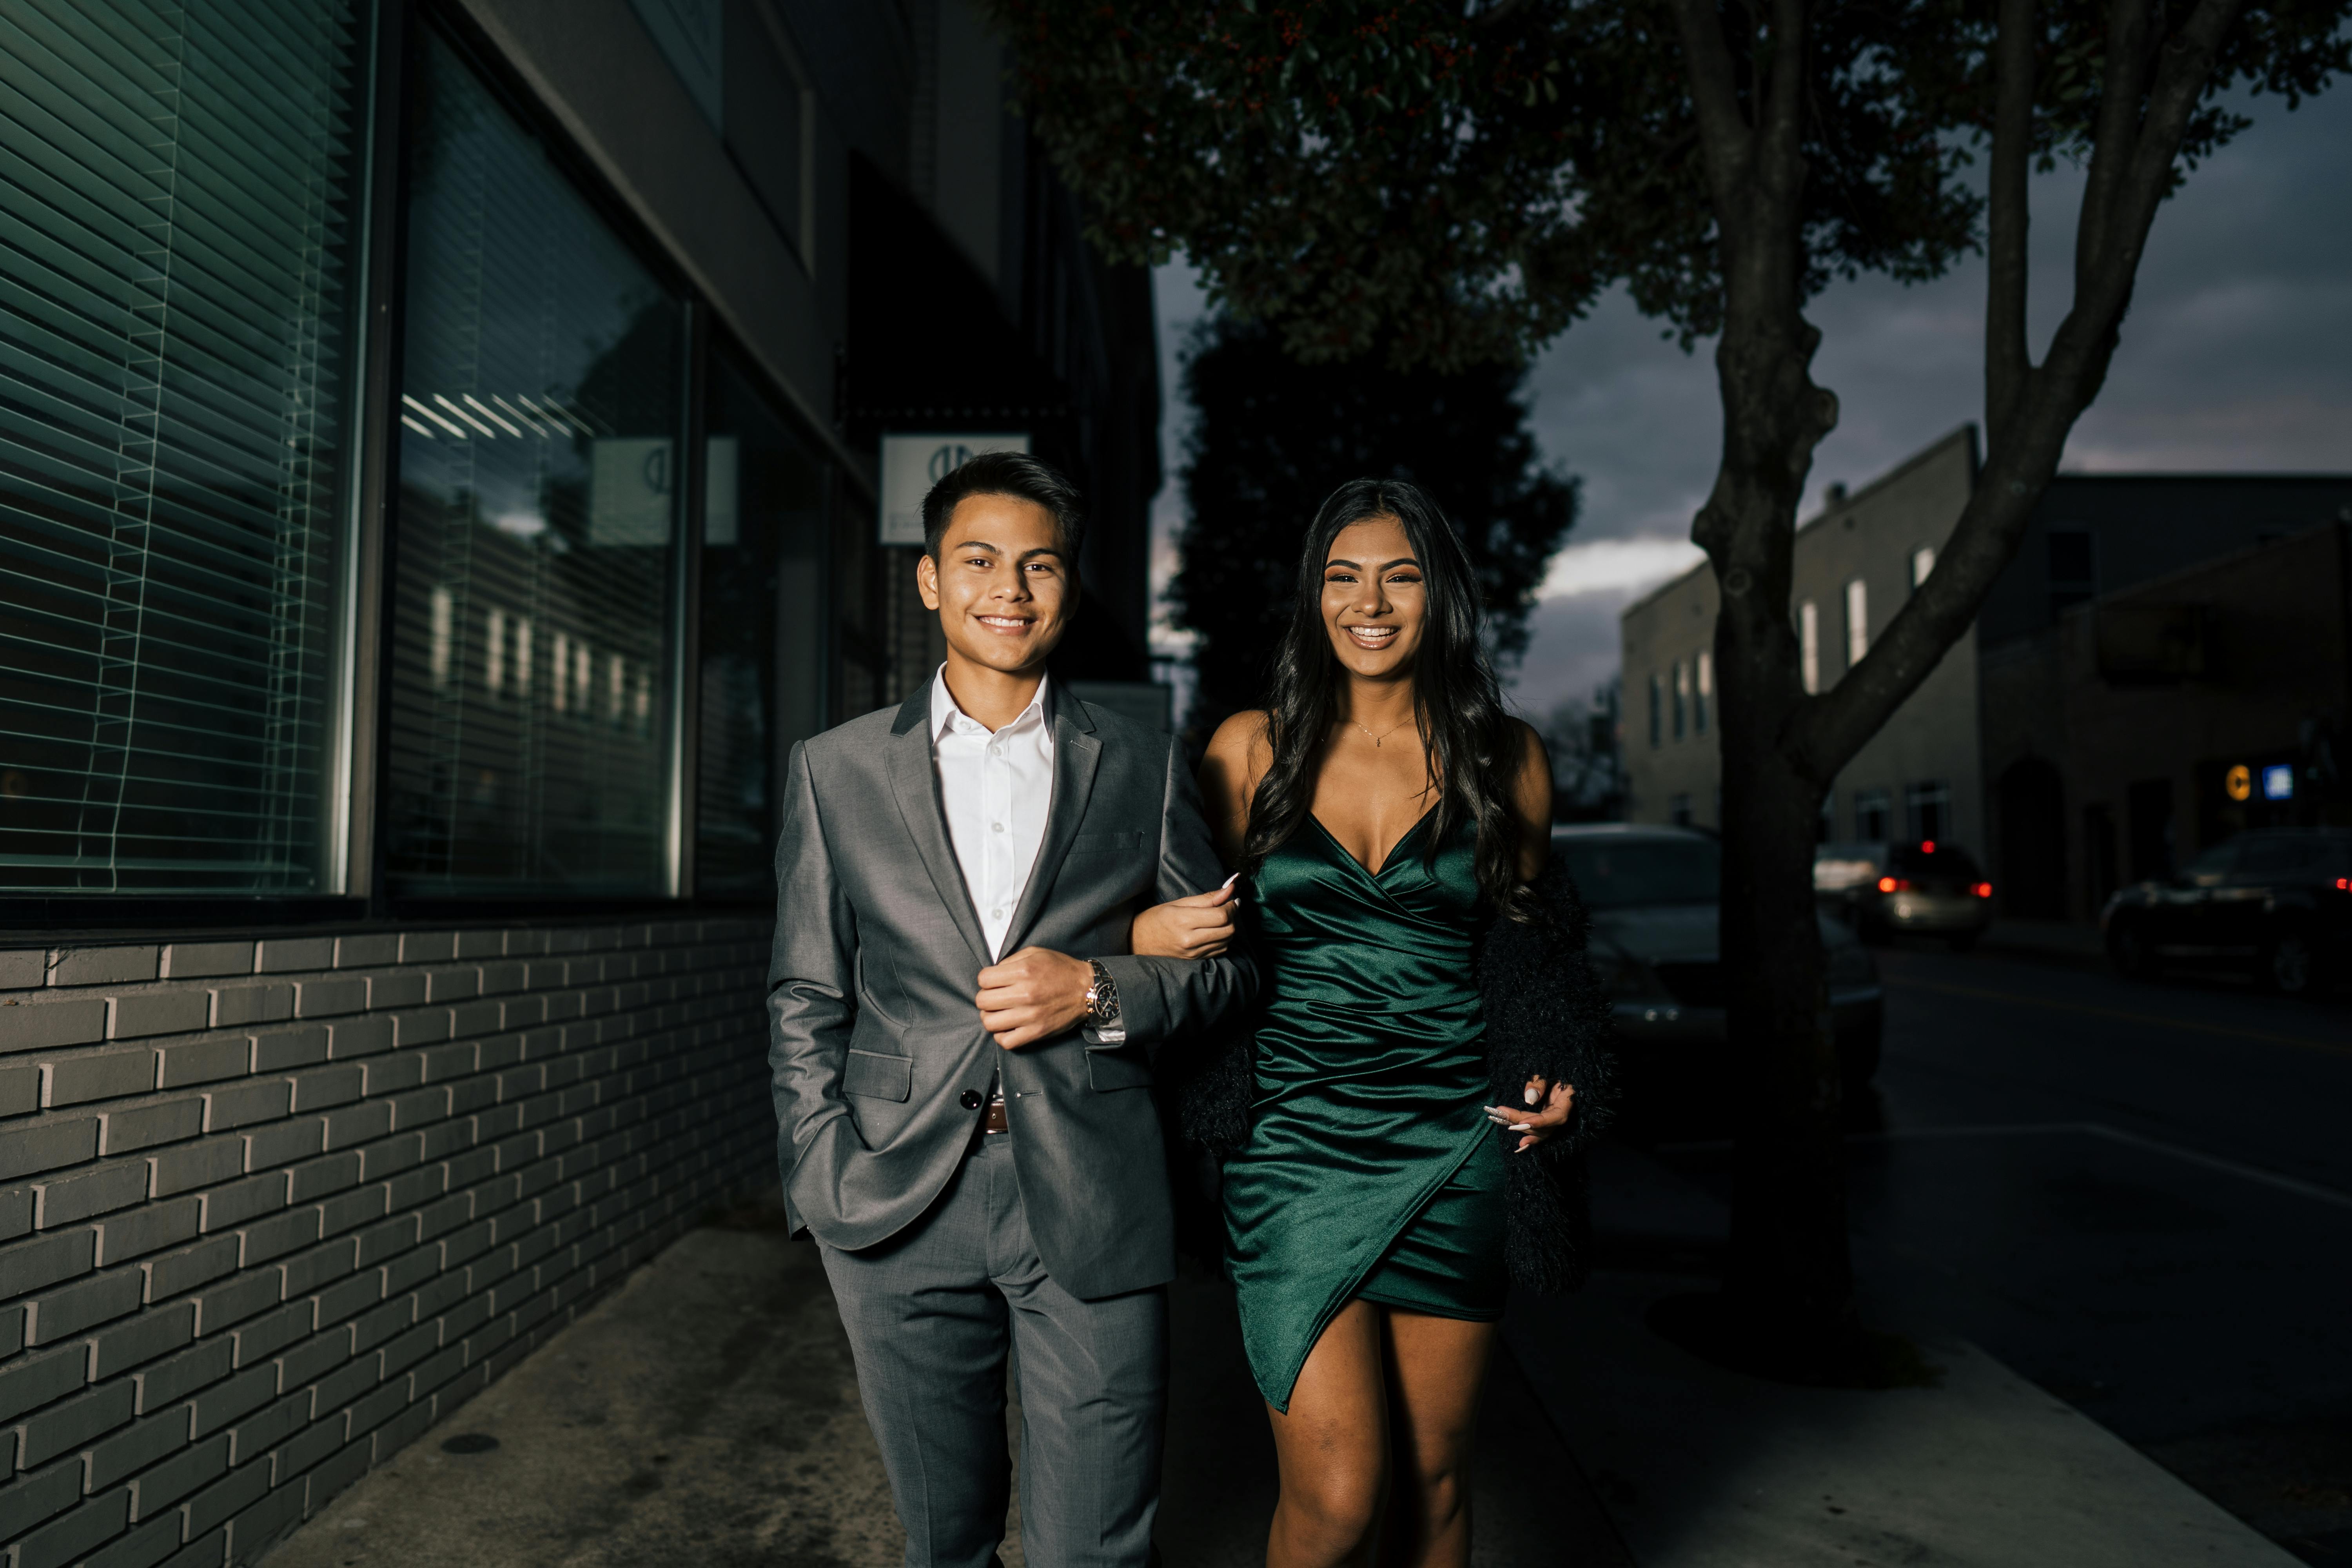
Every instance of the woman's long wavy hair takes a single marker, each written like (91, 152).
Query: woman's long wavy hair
(1457, 703)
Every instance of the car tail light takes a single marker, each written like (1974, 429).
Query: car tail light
(1984, 890)
(2343, 884)
(1893, 885)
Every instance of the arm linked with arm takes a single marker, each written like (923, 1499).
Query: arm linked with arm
(1161, 997)
(810, 970)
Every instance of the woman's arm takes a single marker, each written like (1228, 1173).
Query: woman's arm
(1531, 801)
(1236, 760)
(1203, 925)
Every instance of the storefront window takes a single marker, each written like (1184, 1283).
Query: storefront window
(183, 197)
(532, 642)
(763, 609)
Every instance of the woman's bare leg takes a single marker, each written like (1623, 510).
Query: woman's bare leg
(1332, 1449)
(1435, 1368)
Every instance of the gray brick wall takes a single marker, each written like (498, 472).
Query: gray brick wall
(269, 1208)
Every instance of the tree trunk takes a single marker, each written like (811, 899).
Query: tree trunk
(1789, 1282)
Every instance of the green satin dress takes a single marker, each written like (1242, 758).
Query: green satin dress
(1370, 1171)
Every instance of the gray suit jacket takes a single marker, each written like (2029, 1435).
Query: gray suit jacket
(874, 1039)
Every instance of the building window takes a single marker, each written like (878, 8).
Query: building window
(763, 626)
(1809, 644)
(1682, 697)
(1870, 814)
(1678, 811)
(175, 299)
(2073, 567)
(1923, 562)
(1657, 707)
(1706, 690)
(1857, 622)
(1927, 809)
(534, 642)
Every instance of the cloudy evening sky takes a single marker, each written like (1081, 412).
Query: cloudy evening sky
(2237, 356)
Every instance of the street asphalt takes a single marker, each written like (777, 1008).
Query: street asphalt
(2138, 1194)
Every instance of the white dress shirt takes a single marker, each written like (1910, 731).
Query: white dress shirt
(996, 790)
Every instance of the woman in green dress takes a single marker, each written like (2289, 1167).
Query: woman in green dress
(1382, 811)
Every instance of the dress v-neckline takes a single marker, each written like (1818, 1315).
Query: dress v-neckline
(1388, 860)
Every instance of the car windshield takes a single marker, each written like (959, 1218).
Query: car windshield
(1942, 860)
(1618, 873)
(2213, 864)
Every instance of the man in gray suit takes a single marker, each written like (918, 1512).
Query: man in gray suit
(962, 1048)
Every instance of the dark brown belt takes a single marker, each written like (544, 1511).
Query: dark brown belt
(994, 1120)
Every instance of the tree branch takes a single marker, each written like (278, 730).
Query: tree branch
(1780, 117)
(2114, 139)
(1826, 732)
(1714, 97)
(2006, 359)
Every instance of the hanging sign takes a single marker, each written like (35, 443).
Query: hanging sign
(911, 465)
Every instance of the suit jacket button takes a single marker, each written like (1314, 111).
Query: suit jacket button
(969, 1100)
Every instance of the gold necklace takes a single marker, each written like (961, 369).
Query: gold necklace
(1384, 734)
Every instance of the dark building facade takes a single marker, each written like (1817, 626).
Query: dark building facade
(442, 484)
(2168, 661)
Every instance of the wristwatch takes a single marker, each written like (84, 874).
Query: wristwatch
(1102, 1006)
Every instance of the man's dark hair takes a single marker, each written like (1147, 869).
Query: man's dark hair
(1015, 474)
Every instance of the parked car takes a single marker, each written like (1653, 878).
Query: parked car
(2276, 902)
(1881, 888)
(1655, 896)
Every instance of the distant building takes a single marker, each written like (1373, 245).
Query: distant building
(1856, 563)
(2174, 667)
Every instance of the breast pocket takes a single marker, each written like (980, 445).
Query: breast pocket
(1107, 843)
(875, 1075)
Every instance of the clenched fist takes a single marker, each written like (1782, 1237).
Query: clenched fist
(1033, 996)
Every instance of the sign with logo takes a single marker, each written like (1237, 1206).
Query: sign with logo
(911, 465)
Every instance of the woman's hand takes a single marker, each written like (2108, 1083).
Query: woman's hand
(1199, 927)
(1545, 1112)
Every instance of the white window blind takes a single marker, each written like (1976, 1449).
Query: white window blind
(1857, 622)
(180, 192)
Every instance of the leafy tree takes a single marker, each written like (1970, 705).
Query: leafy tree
(1272, 437)
(1452, 180)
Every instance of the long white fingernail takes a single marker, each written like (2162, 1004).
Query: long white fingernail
(1230, 881)
(1532, 1097)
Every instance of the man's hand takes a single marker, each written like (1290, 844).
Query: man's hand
(1199, 927)
(1034, 996)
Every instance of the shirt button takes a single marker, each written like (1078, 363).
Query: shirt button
(969, 1100)
(996, 827)
(996, 914)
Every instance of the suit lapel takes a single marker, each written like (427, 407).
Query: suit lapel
(916, 784)
(1076, 752)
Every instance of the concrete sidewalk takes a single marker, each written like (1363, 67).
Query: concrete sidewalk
(1704, 1468)
(705, 1415)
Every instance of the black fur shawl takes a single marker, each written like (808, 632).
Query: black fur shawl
(1545, 1016)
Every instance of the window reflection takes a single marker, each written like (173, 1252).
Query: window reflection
(540, 417)
(762, 602)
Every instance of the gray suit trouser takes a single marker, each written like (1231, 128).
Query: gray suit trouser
(930, 1314)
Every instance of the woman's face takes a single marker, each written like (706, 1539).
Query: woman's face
(1375, 600)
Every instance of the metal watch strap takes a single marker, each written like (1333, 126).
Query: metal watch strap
(1102, 996)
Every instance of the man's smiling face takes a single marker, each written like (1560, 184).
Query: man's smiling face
(1000, 583)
